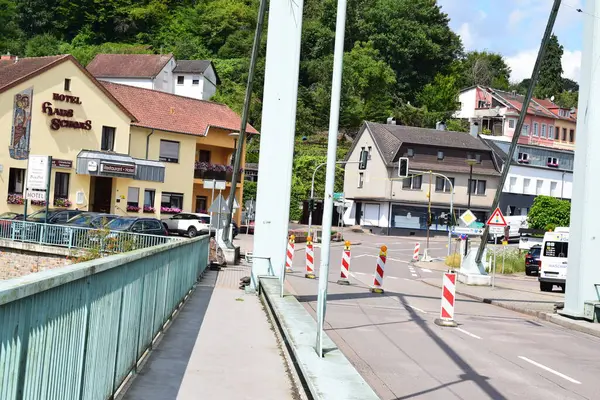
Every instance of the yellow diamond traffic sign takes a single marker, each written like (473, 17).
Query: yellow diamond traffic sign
(468, 217)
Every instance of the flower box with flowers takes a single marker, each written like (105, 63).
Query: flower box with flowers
(133, 208)
(14, 198)
(170, 210)
(149, 210)
(59, 202)
(38, 203)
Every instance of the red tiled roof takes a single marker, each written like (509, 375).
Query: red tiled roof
(11, 72)
(172, 113)
(128, 65)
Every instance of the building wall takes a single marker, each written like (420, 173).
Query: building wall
(468, 104)
(515, 182)
(566, 144)
(64, 143)
(144, 83)
(164, 80)
(210, 83)
(187, 88)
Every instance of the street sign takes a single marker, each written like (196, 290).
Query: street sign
(39, 195)
(214, 184)
(37, 172)
(338, 196)
(497, 230)
(497, 219)
(468, 217)
(467, 231)
(219, 206)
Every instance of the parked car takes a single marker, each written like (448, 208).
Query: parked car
(189, 224)
(147, 226)
(6, 222)
(41, 234)
(235, 231)
(91, 220)
(532, 260)
(55, 216)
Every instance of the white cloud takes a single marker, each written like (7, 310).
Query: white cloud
(465, 34)
(515, 18)
(522, 63)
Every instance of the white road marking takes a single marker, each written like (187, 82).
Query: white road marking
(425, 270)
(406, 279)
(550, 370)
(362, 255)
(395, 259)
(468, 333)
(414, 274)
(361, 273)
(392, 277)
(415, 308)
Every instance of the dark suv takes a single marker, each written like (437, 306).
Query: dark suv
(532, 260)
(147, 226)
(54, 216)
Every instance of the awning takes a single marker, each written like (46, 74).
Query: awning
(108, 164)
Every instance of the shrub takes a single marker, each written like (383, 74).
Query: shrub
(453, 260)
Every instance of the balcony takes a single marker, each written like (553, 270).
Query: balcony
(220, 172)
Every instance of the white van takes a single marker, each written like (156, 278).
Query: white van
(553, 266)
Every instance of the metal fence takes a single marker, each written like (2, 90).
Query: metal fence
(74, 237)
(77, 332)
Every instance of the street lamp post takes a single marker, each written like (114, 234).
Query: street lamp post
(471, 162)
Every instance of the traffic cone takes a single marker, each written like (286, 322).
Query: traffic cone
(345, 272)
(378, 279)
(289, 259)
(310, 259)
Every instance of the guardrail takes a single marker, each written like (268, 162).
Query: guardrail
(78, 332)
(74, 237)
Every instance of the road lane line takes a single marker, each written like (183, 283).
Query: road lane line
(425, 270)
(362, 255)
(415, 308)
(550, 370)
(468, 333)
(406, 279)
(395, 259)
(360, 273)
(414, 275)
(392, 277)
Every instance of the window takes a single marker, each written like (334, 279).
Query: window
(556, 249)
(535, 129)
(564, 135)
(171, 200)
(440, 155)
(553, 186)
(204, 156)
(67, 85)
(481, 104)
(525, 130)
(442, 184)
(413, 182)
(550, 132)
(572, 136)
(476, 157)
(361, 179)
(180, 80)
(552, 161)
(165, 76)
(16, 181)
(108, 138)
(526, 183)
(523, 157)
(201, 204)
(369, 150)
(169, 151)
(538, 187)
(511, 123)
(195, 80)
(543, 130)
(151, 225)
(149, 196)
(410, 152)
(477, 187)
(512, 185)
(61, 185)
(133, 196)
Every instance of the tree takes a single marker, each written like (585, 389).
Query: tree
(441, 95)
(485, 69)
(550, 82)
(567, 99)
(549, 212)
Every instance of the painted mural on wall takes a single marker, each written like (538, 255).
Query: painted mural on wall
(21, 128)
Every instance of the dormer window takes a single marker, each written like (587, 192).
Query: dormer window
(523, 158)
(552, 162)
(475, 157)
(410, 152)
(440, 155)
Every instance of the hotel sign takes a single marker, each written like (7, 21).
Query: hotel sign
(117, 168)
(57, 123)
(62, 163)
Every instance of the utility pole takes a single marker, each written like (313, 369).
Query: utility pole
(469, 190)
(513, 145)
(428, 213)
(334, 117)
(240, 143)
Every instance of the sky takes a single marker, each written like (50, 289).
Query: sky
(514, 28)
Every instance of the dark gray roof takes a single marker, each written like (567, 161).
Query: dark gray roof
(499, 154)
(192, 66)
(389, 138)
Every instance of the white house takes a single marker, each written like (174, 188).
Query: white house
(190, 78)
(534, 171)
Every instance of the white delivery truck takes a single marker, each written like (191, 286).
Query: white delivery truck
(553, 260)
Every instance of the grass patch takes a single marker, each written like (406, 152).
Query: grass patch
(514, 261)
(453, 260)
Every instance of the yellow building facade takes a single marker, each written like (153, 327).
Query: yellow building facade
(114, 149)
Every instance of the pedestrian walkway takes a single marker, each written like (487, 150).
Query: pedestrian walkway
(221, 346)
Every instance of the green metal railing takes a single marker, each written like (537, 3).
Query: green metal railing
(77, 332)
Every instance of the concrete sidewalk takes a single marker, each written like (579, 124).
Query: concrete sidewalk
(221, 346)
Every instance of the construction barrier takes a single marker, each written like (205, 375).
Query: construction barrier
(289, 258)
(416, 252)
(310, 259)
(345, 268)
(448, 298)
(378, 279)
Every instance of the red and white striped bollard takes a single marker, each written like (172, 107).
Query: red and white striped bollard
(416, 252)
(448, 299)
(289, 257)
(378, 279)
(345, 272)
(310, 259)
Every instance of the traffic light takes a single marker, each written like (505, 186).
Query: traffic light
(364, 157)
(403, 167)
(311, 204)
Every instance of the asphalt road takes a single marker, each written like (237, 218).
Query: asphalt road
(394, 343)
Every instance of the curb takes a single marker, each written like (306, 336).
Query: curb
(544, 316)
